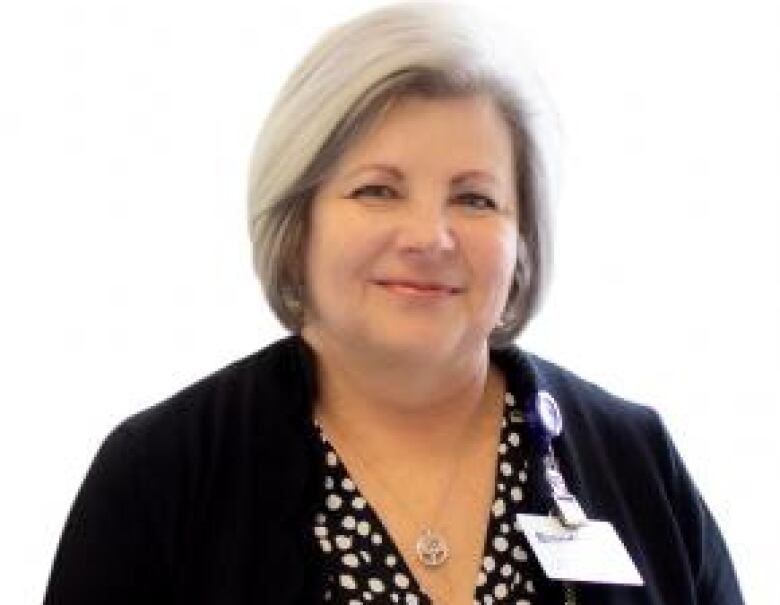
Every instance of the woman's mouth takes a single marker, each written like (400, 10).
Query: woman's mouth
(419, 289)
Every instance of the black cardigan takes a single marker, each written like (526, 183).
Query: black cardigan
(208, 496)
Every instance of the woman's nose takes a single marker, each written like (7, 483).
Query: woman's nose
(426, 229)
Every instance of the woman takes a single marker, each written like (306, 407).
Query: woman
(396, 448)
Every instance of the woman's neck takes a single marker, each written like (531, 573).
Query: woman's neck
(391, 405)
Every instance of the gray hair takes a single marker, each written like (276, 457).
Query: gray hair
(348, 79)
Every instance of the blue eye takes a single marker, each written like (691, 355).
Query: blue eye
(478, 201)
(382, 191)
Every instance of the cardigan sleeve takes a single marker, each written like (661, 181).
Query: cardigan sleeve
(109, 551)
(714, 573)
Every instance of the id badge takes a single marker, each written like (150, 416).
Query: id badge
(592, 552)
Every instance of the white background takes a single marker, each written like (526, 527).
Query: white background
(125, 129)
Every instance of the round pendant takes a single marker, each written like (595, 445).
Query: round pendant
(432, 550)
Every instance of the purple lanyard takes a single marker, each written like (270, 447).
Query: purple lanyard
(546, 423)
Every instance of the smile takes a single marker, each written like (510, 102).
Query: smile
(419, 289)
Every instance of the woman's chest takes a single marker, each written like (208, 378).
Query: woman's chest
(397, 540)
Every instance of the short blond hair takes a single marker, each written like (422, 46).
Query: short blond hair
(344, 83)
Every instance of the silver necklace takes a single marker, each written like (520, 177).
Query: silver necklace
(431, 546)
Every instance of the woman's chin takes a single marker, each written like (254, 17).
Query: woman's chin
(422, 345)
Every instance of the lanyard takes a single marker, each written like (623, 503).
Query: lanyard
(597, 542)
(546, 423)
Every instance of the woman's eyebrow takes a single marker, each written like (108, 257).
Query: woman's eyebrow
(397, 173)
(393, 171)
(475, 175)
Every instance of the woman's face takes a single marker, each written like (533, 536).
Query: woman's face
(413, 237)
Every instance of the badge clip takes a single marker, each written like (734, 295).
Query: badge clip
(569, 511)
(567, 508)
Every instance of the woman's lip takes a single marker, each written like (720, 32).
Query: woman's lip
(419, 287)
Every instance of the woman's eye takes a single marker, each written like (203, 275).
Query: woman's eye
(382, 191)
(479, 201)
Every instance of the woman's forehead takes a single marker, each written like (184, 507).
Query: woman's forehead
(467, 136)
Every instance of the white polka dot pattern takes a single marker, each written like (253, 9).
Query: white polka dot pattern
(351, 535)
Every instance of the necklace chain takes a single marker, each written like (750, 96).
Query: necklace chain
(431, 546)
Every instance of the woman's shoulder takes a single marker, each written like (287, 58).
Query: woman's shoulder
(605, 430)
(172, 481)
(251, 385)
(584, 396)
(579, 397)
(598, 424)
(220, 415)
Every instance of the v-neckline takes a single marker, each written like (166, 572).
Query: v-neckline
(497, 523)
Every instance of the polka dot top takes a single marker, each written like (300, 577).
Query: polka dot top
(363, 565)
